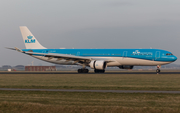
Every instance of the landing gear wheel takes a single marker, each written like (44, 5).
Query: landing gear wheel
(99, 71)
(158, 71)
(79, 70)
(83, 71)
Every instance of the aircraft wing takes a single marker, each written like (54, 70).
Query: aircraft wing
(55, 55)
(76, 59)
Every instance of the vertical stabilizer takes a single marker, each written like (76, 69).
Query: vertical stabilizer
(29, 40)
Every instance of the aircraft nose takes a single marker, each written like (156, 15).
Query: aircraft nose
(175, 58)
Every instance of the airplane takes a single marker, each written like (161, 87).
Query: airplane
(97, 59)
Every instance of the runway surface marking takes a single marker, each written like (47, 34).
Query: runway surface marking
(23, 72)
(98, 91)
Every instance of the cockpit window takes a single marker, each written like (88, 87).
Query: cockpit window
(169, 54)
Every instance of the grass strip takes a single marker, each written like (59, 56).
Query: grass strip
(92, 81)
(76, 102)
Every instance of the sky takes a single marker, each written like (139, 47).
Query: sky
(89, 24)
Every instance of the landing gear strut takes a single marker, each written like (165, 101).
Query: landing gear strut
(83, 70)
(158, 69)
(99, 71)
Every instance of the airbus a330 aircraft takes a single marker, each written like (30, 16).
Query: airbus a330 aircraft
(97, 59)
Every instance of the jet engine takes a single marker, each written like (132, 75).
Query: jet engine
(126, 67)
(98, 65)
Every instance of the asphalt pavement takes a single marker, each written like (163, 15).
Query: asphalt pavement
(72, 72)
(97, 91)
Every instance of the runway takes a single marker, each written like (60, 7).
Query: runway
(73, 72)
(95, 91)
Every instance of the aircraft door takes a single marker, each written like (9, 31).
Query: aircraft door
(78, 53)
(45, 52)
(157, 55)
(124, 54)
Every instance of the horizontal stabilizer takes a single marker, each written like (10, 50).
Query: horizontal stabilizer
(10, 48)
(16, 49)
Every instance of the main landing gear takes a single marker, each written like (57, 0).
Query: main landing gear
(83, 71)
(87, 71)
(99, 71)
(158, 69)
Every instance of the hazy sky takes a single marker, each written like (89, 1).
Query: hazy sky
(89, 24)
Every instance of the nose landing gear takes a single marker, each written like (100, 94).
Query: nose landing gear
(158, 69)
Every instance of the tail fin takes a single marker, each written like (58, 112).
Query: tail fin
(29, 40)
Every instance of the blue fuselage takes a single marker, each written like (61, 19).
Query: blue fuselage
(145, 54)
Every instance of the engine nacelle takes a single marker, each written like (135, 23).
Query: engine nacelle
(126, 67)
(100, 64)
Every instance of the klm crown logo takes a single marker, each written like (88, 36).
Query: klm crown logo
(29, 37)
(30, 40)
(136, 52)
